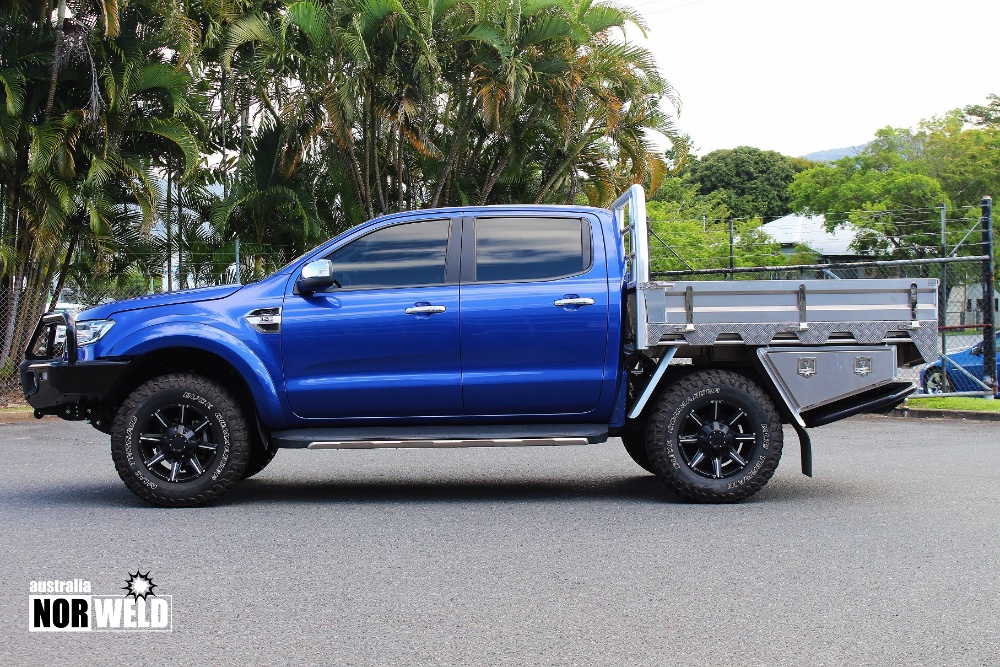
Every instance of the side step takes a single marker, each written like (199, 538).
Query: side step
(440, 436)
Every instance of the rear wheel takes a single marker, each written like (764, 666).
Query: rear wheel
(179, 441)
(714, 437)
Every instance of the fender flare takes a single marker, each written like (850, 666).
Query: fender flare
(206, 338)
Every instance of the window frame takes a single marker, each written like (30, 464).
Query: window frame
(452, 256)
(469, 237)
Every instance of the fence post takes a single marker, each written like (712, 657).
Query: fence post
(732, 251)
(943, 307)
(989, 283)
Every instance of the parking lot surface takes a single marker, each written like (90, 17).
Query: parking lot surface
(523, 556)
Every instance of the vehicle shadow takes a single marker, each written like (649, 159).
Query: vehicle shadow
(277, 491)
(256, 492)
(637, 489)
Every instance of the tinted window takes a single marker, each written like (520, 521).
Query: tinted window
(510, 249)
(397, 256)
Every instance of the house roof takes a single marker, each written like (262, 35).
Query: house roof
(810, 230)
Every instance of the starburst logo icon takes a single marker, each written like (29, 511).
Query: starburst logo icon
(139, 586)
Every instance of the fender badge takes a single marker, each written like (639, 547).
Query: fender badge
(807, 366)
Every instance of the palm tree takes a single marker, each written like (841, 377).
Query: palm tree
(271, 208)
(79, 168)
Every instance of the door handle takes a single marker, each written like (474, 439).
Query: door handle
(425, 310)
(573, 301)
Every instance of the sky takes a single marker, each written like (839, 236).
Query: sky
(799, 76)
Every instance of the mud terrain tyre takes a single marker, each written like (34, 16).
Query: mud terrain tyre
(714, 437)
(180, 441)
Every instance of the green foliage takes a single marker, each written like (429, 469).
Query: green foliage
(86, 113)
(983, 115)
(265, 195)
(691, 231)
(754, 182)
(892, 191)
(412, 103)
(364, 107)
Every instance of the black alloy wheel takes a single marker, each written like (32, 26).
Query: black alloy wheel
(716, 439)
(178, 443)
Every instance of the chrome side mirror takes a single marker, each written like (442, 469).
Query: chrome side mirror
(316, 276)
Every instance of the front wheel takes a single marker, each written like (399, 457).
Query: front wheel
(714, 437)
(180, 441)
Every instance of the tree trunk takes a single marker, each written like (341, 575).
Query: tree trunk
(166, 222)
(14, 301)
(399, 167)
(472, 157)
(495, 175)
(566, 163)
(56, 57)
(574, 188)
(225, 134)
(449, 165)
(366, 138)
(383, 206)
(64, 269)
(181, 283)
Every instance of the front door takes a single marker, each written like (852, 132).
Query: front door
(385, 343)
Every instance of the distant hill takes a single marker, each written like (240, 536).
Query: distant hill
(832, 154)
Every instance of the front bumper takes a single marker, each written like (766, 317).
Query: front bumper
(68, 390)
(54, 382)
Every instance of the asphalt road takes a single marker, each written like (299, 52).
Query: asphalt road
(544, 556)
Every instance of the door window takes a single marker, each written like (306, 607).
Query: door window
(531, 249)
(406, 255)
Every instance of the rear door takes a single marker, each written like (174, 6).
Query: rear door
(534, 304)
(385, 343)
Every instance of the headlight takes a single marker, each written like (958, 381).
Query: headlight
(91, 331)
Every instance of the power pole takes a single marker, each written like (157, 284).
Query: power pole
(989, 307)
(943, 309)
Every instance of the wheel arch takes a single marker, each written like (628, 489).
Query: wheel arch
(750, 368)
(210, 353)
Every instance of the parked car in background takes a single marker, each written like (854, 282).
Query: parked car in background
(940, 378)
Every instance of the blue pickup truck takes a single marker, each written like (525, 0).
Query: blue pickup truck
(478, 326)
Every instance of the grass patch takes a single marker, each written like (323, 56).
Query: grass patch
(967, 403)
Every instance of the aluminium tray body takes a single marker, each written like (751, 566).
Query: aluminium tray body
(789, 312)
